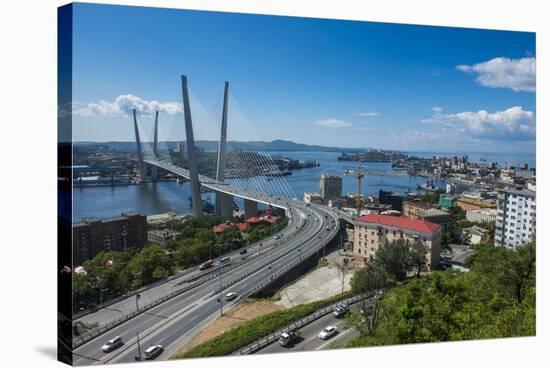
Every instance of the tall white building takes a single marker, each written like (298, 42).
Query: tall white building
(516, 217)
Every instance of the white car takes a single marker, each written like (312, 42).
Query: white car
(328, 332)
(230, 296)
(153, 351)
(112, 344)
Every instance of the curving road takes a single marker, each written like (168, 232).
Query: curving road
(174, 322)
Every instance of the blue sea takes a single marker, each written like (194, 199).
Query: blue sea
(159, 197)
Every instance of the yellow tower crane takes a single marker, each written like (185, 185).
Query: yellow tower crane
(358, 174)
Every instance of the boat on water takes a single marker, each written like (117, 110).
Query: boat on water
(278, 173)
(428, 186)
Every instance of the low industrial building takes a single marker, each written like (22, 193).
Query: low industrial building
(475, 202)
(482, 215)
(163, 236)
(446, 201)
(373, 230)
(312, 197)
(437, 217)
(478, 235)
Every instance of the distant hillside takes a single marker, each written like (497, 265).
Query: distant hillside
(276, 145)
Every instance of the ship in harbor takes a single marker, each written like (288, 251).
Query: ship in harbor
(273, 173)
(428, 186)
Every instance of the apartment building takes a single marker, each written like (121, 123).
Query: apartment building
(416, 208)
(516, 217)
(373, 230)
(123, 233)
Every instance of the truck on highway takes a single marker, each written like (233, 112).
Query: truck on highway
(286, 338)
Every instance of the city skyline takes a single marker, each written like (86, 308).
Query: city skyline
(354, 84)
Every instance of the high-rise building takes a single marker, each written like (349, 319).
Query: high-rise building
(331, 186)
(516, 217)
(180, 149)
(91, 236)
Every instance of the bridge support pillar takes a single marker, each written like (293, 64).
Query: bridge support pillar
(141, 165)
(224, 205)
(154, 172)
(190, 140)
(250, 208)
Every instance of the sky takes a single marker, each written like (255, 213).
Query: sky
(314, 81)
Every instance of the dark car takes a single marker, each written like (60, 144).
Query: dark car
(243, 251)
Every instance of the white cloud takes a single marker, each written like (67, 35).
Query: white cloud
(333, 123)
(367, 114)
(501, 72)
(123, 105)
(511, 124)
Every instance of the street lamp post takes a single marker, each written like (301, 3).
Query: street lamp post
(137, 298)
(220, 297)
(99, 287)
(138, 357)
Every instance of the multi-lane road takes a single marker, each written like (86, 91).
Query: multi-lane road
(174, 322)
(309, 336)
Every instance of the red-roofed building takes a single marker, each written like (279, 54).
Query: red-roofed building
(266, 219)
(220, 228)
(242, 226)
(253, 220)
(373, 230)
(270, 219)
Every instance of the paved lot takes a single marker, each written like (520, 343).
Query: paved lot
(321, 283)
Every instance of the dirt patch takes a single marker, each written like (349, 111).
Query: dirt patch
(248, 310)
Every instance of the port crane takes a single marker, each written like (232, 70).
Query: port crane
(359, 174)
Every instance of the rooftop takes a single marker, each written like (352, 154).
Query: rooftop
(521, 192)
(419, 203)
(401, 222)
(435, 212)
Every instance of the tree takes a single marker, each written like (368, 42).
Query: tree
(372, 277)
(418, 254)
(495, 299)
(512, 271)
(342, 267)
(149, 265)
(394, 258)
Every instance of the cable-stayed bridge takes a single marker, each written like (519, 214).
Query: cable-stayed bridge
(173, 322)
(254, 187)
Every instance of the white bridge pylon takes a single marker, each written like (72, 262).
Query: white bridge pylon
(251, 190)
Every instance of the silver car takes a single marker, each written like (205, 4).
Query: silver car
(112, 344)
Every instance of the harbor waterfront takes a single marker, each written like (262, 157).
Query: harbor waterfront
(157, 197)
